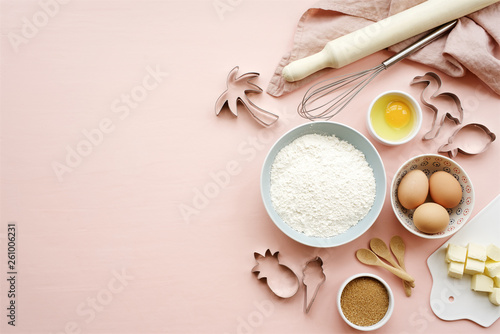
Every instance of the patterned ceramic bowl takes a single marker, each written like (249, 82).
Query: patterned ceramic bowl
(430, 163)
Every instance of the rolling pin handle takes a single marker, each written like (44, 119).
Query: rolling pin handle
(304, 67)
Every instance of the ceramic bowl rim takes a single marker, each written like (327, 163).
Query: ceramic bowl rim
(379, 173)
(416, 129)
(387, 315)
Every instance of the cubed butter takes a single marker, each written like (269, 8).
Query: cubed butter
(473, 266)
(481, 283)
(492, 268)
(493, 252)
(495, 296)
(455, 253)
(456, 269)
(496, 281)
(476, 251)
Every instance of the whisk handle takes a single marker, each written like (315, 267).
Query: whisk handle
(420, 43)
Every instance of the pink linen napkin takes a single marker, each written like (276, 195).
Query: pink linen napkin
(471, 45)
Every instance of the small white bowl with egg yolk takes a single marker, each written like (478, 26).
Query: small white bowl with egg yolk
(394, 118)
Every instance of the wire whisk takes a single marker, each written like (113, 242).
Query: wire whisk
(316, 104)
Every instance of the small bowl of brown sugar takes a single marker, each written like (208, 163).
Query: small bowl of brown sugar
(365, 302)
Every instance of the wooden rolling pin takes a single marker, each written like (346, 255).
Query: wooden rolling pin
(382, 34)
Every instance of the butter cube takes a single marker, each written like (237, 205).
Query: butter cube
(492, 268)
(495, 296)
(473, 266)
(476, 251)
(456, 269)
(493, 252)
(496, 281)
(482, 283)
(456, 253)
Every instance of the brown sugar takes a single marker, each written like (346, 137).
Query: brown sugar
(364, 301)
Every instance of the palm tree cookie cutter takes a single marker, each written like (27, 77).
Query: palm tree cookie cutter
(279, 278)
(237, 90)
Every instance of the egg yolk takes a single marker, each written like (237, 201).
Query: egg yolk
(397, 114)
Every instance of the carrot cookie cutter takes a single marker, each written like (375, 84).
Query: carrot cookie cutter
(237, 90)
(470, 139)
(279, 278)
(312, 278)
(439, 118)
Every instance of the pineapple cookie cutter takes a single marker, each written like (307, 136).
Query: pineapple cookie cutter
(279, 278)
(313, 277)
(237, 90)
(436, 124)
(452, 147)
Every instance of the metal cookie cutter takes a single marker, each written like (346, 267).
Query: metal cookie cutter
(313, 277)
(279, 278)
(439, 119)
(237, 91)
(473, 138)
(470, 139)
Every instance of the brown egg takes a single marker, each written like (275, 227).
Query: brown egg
(445, 189)
(413, 189)
(431, 218)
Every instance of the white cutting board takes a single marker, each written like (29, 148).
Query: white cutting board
(453, 299)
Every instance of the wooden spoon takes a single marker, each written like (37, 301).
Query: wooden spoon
(366, 256)
(379, 247)
(398, 249)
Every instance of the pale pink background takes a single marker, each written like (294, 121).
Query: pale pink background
(116, 215)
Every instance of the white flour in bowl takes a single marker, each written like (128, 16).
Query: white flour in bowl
(321, 185)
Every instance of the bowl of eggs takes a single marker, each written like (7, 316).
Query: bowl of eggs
(432, 196)
(394, 118)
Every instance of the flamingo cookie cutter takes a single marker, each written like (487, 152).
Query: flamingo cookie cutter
(439, 117)
(473, 138)
(237, 90)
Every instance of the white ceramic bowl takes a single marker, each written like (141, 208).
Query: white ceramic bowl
(356, 139)
(387, 314)
(430, 163)
(416, 112)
